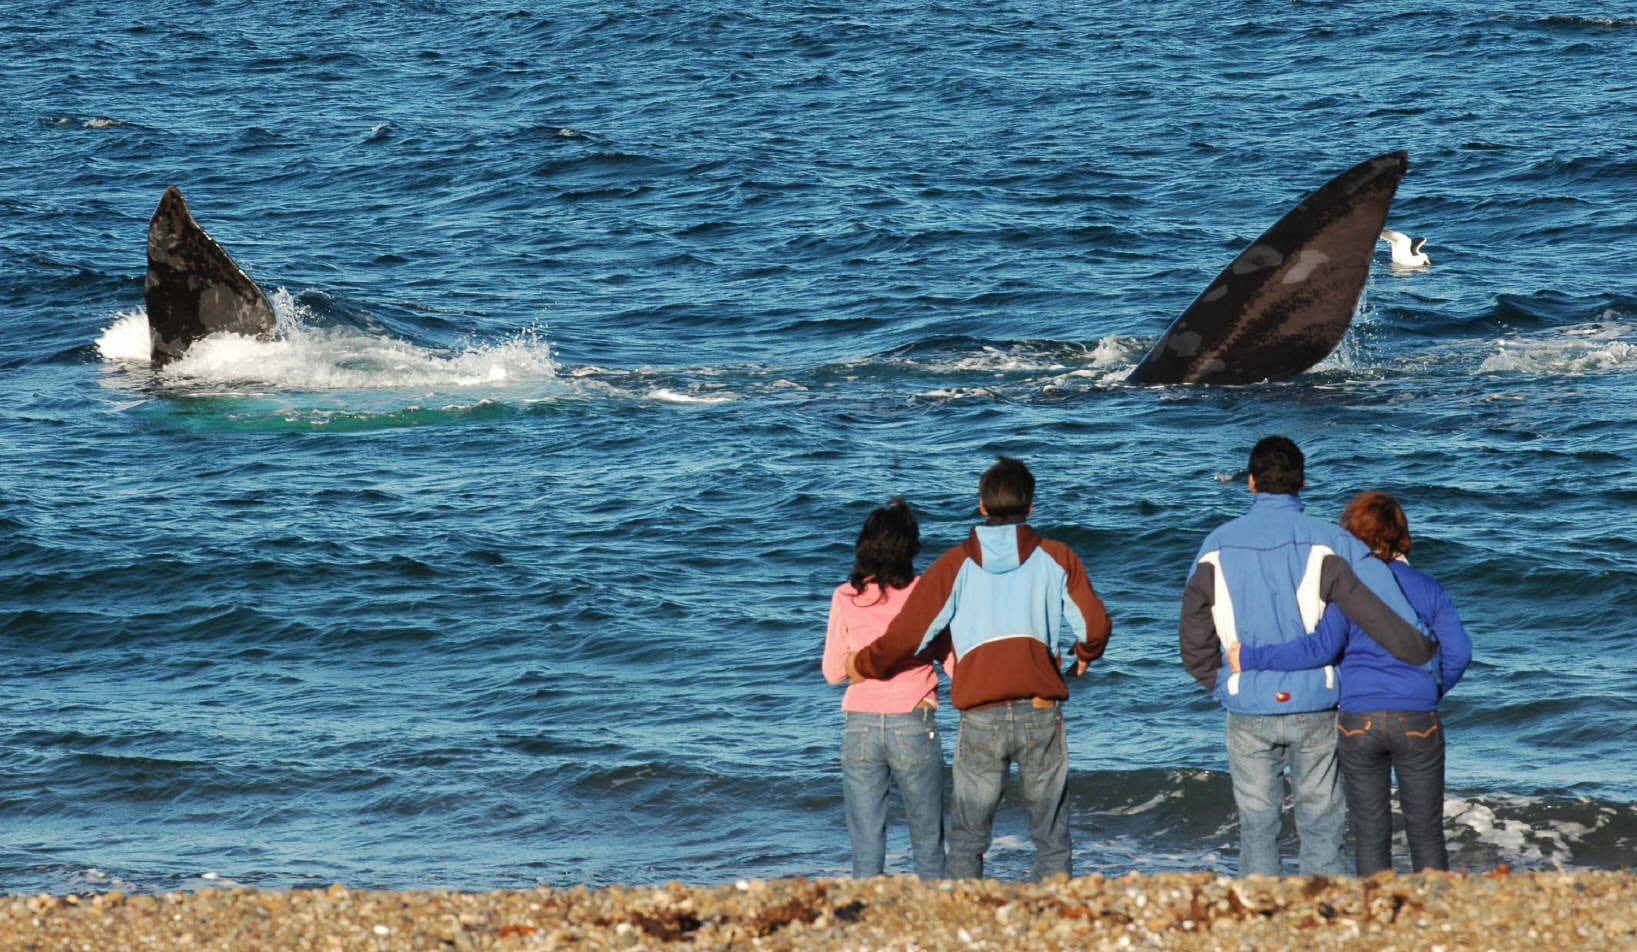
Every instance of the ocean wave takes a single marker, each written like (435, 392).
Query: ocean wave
(1603, 347)
(1174, 808)
(1539, 832)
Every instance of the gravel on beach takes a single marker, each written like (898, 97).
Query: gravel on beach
(1582, 910)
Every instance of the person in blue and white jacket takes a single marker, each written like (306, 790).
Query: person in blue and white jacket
(1265, 578)
(1389, 709)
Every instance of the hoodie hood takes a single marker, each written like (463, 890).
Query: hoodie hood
(1001, 549)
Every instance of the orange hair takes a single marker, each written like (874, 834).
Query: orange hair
(1379, 521)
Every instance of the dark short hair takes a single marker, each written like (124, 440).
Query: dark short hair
(886, 548)
(1379, 521)
(1006, 489)
(1278, 466)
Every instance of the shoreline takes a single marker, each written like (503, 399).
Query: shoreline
(1500, 911)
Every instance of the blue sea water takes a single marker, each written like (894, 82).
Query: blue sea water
(603, 325)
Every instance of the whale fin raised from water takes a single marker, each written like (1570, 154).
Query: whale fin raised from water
(195, 288)
(1284, 304)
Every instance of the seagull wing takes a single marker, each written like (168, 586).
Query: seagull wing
(1394, 237)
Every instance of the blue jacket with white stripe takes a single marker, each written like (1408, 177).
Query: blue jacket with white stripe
(1266, 578)
(1372, 679)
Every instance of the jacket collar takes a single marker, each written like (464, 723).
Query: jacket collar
(1267, 502)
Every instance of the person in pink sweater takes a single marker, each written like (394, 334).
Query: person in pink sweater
(891, 732)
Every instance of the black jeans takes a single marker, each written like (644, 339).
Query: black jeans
(1411, 745)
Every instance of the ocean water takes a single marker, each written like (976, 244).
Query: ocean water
(602, 327)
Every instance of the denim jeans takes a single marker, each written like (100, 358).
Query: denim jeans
(879, 749)
(991, 740)
(1260, 748)
(1411, 745)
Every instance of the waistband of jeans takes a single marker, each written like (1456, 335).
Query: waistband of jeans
(1021, 703)
(919, 715)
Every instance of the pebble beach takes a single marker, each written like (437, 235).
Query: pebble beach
(1499, 910)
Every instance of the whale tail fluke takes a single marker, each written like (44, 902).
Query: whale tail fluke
(194, 288)
(1284, 304)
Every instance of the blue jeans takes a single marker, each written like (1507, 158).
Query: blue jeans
(876, 750)
(991, 740)
(1411, 745)
(1260, 748)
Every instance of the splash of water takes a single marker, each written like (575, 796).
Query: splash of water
(302, 356)
(1585, 349)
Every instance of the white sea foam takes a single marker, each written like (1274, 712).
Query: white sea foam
(1151, 803)
(996, 360)
(98, 880)
(1603, 347)
(1054, 366)
(961, 393)
(303, 357)
(1115, 351)
(1106, 364)
(1111, 352)
(1010, 842)
(671, 396)
(126, 339)
(1503, 823)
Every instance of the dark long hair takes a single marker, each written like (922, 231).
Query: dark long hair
(886, 548)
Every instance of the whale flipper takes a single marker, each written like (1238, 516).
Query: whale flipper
(195, 288)
(1285, 302)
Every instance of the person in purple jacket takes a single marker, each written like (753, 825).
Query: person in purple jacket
(1389, 708)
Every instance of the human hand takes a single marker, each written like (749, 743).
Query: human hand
(1080, 667)
(852, 668)
(1233, 657)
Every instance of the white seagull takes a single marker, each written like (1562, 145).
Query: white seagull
(1407, 252)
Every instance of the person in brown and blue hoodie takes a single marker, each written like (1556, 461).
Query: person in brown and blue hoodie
(1010, 598)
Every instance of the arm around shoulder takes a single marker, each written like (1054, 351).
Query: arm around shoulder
(925, 612)
(1341, 586)
(1324, 646)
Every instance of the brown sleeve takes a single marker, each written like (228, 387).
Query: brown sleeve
(925, 611)
(1098, 625)
(1082, 598)
(940, 650)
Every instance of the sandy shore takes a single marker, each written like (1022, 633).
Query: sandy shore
(1500, 911)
